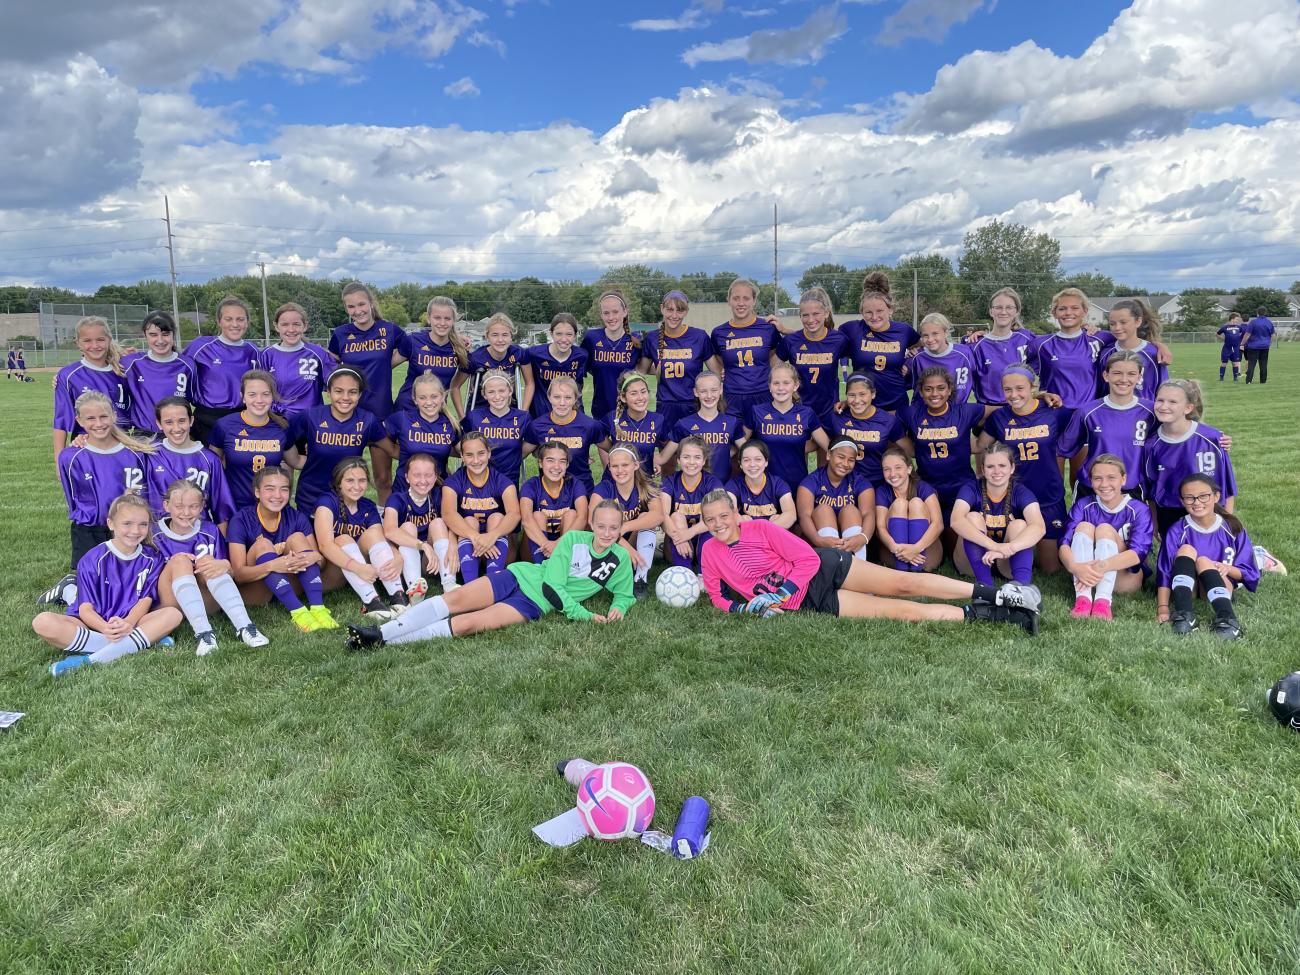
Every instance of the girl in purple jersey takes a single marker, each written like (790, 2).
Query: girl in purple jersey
(1210, 547)
(790, 429)
(100, 371)
(502, 424)
(565, 424)
(543, 364)
(816, 353)
(179, 456)
(349, 533)
(745, 347)
(428, 427)
(871, 428)
(551, 503)
(680, 497)
(481, 507)
(117, 585)
(273, 554)
(500, 354)
(219, 361)
(197, 576)
(938, 351)
(300, 368)
(627, 484)
(879, 346)
(676, 354)
(909, 523)
(719, 429)
(156, 373)
(1108, 533)
(1127, 318)
(758, 494)
(1118, 424)
(413, 522)
(998, 520)
(1033, 429)
(330, 433)
(943, 430)
(611, 351)
(1067, 360)
(439, 351)
(633, 422)
(1183, 445)
(1007, 345)
(253, 438)
(836, 507)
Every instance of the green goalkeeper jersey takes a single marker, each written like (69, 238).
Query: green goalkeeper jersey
(575, 571)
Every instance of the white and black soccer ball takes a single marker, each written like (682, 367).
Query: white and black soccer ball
(677, 587)
(1284, 700)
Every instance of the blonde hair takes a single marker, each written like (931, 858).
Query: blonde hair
(459, 344)
(93, 396)
(876, 285)
(1070, 293)
(566, 381)
(130, 500)
(1191, 389)
(500, 318)
(818, 294)
(1014, 295)
(430, 379)
(616, 294)
(794, 374)
(114, 354)
(937, 318)
(645, 489)
(742, 283)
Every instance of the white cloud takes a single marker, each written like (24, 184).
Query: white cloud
(461, 88)
(688, 19)
(804, 44)
(700, 124)
(929, 19)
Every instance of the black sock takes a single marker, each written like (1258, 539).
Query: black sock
(985, 593)
(1217, 594)
(1183, 585)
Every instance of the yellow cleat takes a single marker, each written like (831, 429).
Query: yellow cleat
(304, 619)
(324, 620)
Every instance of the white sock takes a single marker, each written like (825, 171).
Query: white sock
(412, 568)
(645, 547)
(828, 533)
(86, 641)
(362, 588)
(186, 591)
(1082, 550)
(1106, 548)
(440, 548)
(430, 632)
(417, 617)
(381, 555)
(226, 592)
(133, 642)
(852, 532)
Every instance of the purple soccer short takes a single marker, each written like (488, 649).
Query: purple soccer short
(506, 591)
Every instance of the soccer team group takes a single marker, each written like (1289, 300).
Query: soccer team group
(179, 470)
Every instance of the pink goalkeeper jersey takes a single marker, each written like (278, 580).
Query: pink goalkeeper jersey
(763, 560)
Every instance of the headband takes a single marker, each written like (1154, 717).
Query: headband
(839, 442)
(1025, 371)
(627, 450)
(344, 371)
(675, 294)
(629, 379)
(860, 377)
(613, 294)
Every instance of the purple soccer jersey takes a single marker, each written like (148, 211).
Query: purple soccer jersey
(818, 365)
(247, 527)
(746, 356)
(300, 375)
(1231, 350)
(1067, 366)
(1218, 543)
(245, 450)
(1105, 428)
(718, 434)
(883, 356)
(634, 505)
(644, 434)
(1165, 462)
(885, 495)
(943, 443)
(687, 499)
(1153, 371)
(1034, 437)
(872, 433)
(554, 506)
(424, 355)
(826, 493)
(350, 521)
(150, 380)
(92, 478)
(329, 440)
(370, 352)
(416, 434)
(478, 502)
(203, 538)
(763, 504)
(607, 359)
(786, 435)
(997, 514)
(546, 368)
(506, 435)
(218, 367)
(579, 434)
(418, 514)
(992, 355)
(959, 361)
(199, 466)
(677, 362)
(1131, 520)
(81, 377)
(112, 581)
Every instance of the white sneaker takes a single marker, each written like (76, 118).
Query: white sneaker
(207, 643)
(1266, 561)
(253, 637)
(1020, 596)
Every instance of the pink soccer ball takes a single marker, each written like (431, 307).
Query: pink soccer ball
(615, 801)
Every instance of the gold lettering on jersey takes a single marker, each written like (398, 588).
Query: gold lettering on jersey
(1026, 433)
(815, 358)
(502, 433)
(339, 439)
(744, 343)
(936, 433)
(782, 430)
(675, 354)
(249, 445)
(760, 510)
(573, 443)
(626, 435)
(368, 345)
(614, 355)
(440, 437)
(874, 345)
(863, 436)
(479, 504)
(430, 360)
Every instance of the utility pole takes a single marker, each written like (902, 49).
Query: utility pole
(171, 257)
(776, 283)
(266, 316)
(915, 301)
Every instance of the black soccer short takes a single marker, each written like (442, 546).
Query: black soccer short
(823, 595)
(86, 537)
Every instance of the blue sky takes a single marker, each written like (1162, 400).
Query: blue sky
(425, 139)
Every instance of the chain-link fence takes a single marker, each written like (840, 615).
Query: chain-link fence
(57, 336)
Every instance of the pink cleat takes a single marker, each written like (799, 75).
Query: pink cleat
(1101, 610)
(1082, 607)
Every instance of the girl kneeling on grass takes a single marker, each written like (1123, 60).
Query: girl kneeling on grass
(197, 574)
(1106, 533)
(117, 587)
(1208, 546)
(774, 571)
(908, 520)
(998, 520)
(412, 522)
(582, 564)
(348, 523)
(271, 547)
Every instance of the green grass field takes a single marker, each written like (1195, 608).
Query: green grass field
(888, 798)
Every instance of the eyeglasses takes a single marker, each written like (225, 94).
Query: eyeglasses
(1197, 498)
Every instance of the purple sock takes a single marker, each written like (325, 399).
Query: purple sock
(917, 528)
(280, 586)
(899, 531)
(497, 560)
(468, 563)
(312, 586)
(979, 570)
(1022, 566)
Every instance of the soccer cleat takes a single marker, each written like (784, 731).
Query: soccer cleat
(362, 637)
(1019, 596)
(1228, 628)
(417, 590)
(1101, 610)
(1026, 619)
(207, 643)
(304, 619)
(377, 610)
(67, 664)
(253, 637)
(55, 595)
(1266, 561)
(324, 618)
(1182, 623)
(1082, 607)
(166, 643)
(640, 589)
